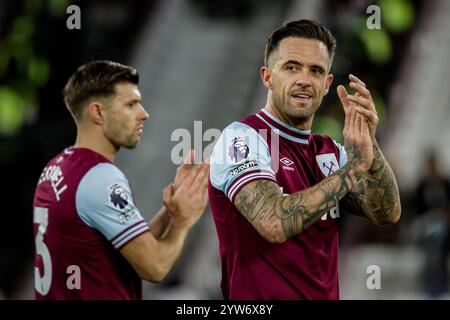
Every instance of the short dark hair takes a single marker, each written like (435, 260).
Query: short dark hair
(304, 28)
(95, 79)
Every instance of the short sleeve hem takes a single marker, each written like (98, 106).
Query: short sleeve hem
(245, 179)
(129, 234)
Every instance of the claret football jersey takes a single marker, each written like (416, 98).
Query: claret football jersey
(261, 147)
(84, 213)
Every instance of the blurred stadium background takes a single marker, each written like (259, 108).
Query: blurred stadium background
(200, 60)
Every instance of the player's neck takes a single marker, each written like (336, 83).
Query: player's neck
(304, 126)
(98, 144)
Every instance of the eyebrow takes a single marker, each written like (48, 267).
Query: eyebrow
(292, 62)
(134, 100)
(295, 62)
(316, 66)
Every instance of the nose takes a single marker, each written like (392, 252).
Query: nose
(145, 115)
(303, 80)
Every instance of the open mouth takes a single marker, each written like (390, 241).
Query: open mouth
(302, 97)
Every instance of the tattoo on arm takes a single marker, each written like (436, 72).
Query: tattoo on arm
(379, 193)
(278, 217)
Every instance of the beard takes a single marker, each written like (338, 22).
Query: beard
(130, 144)
(119, 139)
(294, 113)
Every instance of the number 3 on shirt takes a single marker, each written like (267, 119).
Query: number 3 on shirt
(42, 284)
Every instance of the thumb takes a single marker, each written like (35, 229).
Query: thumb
(343, 96)
(167, 194)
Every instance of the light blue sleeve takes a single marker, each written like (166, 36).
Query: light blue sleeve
(240, 156)
(104, 202)
(342, 154)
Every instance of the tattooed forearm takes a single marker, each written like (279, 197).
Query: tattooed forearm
(382, 181)
(278, 217)
(379, 198)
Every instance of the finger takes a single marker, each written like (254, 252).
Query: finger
(204, 181)
(356, 79)
(167, 194)
(188, 162)
(205, 197)
(206, 168)
(351, 124)
(360, 89)
(207, 174)
(364, 102)
(372, 117)
(189, 178)
(348, 121)
(358, 123)
(365, 128)
(201, 180)
(343, 96)
(346, 124)
(190, 157)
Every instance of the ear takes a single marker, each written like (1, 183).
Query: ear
(328, 83)
(94, 112)
(266, 77)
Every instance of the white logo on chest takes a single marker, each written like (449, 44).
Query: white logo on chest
(327, 163)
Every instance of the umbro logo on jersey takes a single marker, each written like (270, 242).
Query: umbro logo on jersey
(328, 163)
(287, 163)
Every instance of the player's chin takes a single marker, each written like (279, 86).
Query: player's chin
(131, 144)
(300, 111)
(305, 108)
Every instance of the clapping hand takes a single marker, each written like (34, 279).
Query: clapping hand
(361, 101)
(359, 129)
(187, 197)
